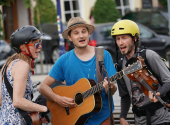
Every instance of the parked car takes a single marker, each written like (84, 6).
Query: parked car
(51, 47)
(148, 38)
(156, 20)
(5, 52)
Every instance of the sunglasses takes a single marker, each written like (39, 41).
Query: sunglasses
(36, 44)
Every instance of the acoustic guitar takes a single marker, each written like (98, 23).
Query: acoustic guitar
(85, 93)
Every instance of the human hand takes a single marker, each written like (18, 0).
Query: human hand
(66, 102)
(45, 109)
(112, 86)
(152, 98)
(44, 120)
(123, 121)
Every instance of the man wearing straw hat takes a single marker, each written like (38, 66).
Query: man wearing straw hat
(80, 63)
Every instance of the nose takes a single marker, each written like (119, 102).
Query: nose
(81, 35)
(119, 42)
(40, 46)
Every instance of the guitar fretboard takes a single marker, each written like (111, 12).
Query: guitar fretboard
(99, 86)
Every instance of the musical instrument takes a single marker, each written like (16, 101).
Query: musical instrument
(86, 96)
(148, 82)
(35, 118)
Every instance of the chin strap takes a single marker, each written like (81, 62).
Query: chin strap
(29, 54)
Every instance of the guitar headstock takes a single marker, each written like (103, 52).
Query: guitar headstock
(133, 67)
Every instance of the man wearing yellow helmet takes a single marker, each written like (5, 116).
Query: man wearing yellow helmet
(147, 110)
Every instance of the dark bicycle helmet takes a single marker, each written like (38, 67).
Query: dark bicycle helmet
(23, 35)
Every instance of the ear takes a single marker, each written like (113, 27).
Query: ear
(135, 38)
(69, 37)
(22, 47)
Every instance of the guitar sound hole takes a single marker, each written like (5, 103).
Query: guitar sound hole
(78, 98)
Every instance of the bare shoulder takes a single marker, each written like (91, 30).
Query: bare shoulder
(20, 67)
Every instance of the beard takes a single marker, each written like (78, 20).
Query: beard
(130, 49)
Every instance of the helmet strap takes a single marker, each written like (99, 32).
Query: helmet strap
(29, 54)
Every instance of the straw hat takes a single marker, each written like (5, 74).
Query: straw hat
(74, 22)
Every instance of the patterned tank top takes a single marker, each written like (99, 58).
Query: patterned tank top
(9, 115)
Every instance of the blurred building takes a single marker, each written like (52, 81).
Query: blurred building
(71, 8)
(17, 15)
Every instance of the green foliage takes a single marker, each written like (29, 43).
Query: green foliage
(1, 30)
(6, 2)
(163, 2)
(105, 11)
(47, 12)
(28, 4)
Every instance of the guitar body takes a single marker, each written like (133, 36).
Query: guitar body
(79, 114)
(35, 118)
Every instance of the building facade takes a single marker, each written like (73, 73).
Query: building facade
(17, 15)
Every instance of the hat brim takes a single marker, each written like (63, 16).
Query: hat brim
(90, 29)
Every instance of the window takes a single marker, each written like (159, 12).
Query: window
(71, 9)
(158, 21)
(143, 17)
(144, 33)
(122, 6)
(106, 32)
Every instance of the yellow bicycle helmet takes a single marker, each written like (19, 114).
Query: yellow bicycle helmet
(125, 27)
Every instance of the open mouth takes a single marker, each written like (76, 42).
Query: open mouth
(37, 52)
(122, 48)
(82, 41)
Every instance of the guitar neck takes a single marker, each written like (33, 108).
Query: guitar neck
(150, 89)
(99, 86)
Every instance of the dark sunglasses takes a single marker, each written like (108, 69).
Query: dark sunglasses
(36, 44)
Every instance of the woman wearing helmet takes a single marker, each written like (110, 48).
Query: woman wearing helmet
(27, 43)
(147, 110)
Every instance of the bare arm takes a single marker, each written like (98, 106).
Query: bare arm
(112, 86)
(20, 80)
(45, 89)
(47, 92)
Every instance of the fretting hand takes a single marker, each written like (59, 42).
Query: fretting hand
(152, 98)
(112, 86)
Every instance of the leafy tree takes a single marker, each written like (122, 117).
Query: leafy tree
(45, 12)
(105, 11)
(6, 2)
(163, 2)
(28, 3)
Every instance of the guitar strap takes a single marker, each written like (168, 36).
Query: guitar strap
(24, 114)
(99, 74)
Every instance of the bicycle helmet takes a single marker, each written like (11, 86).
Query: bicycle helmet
(23, 35)
(125, 27)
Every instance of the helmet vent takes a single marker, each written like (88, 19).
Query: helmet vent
(121, 28)
(113, 29)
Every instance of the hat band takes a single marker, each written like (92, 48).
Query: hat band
(75, 24)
